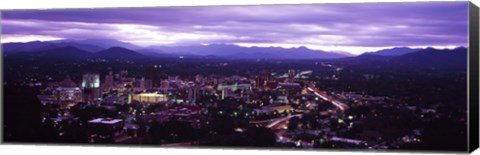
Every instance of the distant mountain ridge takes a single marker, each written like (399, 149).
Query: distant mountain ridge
(239, 52)
(105, 49)
(214, 50)
(102, 43)
(396, 51)
(40, 46)
(428, 58)
(118, 53)
(74, 53)
(63, 52)
(90, 45)
(26, 47)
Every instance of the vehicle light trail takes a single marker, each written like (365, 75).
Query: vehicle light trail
(327, 98)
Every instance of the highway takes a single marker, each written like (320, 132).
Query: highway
(323, 95)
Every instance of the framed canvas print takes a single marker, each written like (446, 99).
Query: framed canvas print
(397, 77)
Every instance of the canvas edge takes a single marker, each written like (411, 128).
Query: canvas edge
(473, 81)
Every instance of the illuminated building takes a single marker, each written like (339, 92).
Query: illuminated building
(281, 100)
(289, 87)
(68, 91)
(68, 94)
(229, 90)
(149, 97)
(91, 87)
(65, 94)
(235, 87)
(105, 129)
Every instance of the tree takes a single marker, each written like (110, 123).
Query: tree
(293, 123)
(262, 136)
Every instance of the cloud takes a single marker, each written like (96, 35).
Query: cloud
(346, 27)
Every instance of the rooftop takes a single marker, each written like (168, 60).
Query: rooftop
(67, 82)
(105, 121)
(151, 94)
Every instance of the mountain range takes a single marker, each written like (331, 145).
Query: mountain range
(213, 50)
(239, 52)
(396, 51)
(112, 49)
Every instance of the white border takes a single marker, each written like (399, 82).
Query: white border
(73, 150)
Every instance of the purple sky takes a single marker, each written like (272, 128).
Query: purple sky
(353, 28)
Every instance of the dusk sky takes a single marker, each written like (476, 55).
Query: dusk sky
(354, 28)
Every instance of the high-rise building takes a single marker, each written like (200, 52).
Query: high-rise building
(291, 74)
(91, 87)
(108, 81)
(139, 84)
(192, 94)
(268, 74)
(165, 84)
(65, 94)
(153, 74)
(148, 84)
(68, 94)
(260, 82)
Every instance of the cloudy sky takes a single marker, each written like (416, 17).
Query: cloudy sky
(353, 28)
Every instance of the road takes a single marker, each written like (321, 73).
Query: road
(323, 95)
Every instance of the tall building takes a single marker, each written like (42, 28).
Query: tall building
(148, 84)
(260, 82)
(91, 87)
(108, 81)
(291, 74)
(153, 74)
(68, 91)
(268, 74)
(192, 94)
(165, 84)
(139, 84)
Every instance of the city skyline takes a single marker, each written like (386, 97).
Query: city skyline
(353, 28)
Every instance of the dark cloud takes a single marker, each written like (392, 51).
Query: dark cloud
(359, 25)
